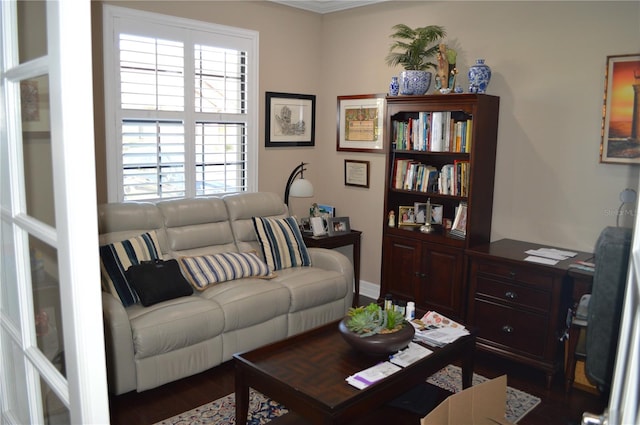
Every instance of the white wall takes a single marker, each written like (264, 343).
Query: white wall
(548, 61)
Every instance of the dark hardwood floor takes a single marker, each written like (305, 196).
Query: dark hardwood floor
(557, 407)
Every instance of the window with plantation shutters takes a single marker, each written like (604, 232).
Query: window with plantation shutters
(181, 100)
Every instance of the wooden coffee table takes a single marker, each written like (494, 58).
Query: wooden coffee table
(307, 374)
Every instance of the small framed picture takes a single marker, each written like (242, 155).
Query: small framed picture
(420, 212)
(436, 213)
(338, 225)
(460, 220)
(406, 216)
(326, 211)
(356, 173)
(317, 226)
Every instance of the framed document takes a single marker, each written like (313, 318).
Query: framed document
(361, 123)
(356, 173)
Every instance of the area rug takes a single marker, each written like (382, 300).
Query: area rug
(262, 409)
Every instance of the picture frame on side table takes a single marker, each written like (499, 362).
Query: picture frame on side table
(361, 123)
(620, 137)
(338, 225)
(326, 211)
(290, 120)
(356, 173)
(318, 226)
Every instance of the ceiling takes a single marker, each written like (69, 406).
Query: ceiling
(326, 6)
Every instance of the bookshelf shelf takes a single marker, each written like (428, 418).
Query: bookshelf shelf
(440, 151)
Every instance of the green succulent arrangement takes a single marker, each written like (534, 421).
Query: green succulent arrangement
(413, 48)
(372, 319)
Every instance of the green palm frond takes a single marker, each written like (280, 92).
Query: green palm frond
(413, 48)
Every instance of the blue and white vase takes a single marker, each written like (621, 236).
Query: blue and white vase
(394, 87)
(479, 77)
(415, 82)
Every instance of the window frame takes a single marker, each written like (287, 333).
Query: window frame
(197, 32)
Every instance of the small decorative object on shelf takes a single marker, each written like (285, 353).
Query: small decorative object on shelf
(392, 219)
(479, 77)
(394, 86)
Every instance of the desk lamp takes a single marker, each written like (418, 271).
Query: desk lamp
(299, 188)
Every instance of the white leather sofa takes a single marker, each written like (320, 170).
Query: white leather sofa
(149, 346)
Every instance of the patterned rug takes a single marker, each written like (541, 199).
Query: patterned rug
(262, 410)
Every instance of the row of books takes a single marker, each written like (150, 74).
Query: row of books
(433, 132)
(451, 179)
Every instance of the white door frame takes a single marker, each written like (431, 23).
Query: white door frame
(75, 236)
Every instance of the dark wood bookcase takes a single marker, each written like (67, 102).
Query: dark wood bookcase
(430, 268)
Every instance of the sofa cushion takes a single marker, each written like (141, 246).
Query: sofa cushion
(117, 257)
(281, 242)
(173, 325)
(201, 271)
(156, 281)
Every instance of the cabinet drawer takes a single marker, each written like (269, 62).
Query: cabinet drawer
(517, 295)
(509, 327)
(516, 273)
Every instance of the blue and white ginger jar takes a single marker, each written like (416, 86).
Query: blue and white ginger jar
(479, 77)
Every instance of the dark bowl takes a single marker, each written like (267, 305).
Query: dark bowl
(379, 344)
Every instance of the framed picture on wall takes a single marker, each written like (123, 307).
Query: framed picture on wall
(620, 127)
(356, 173)
(361, 123)
(290, 120)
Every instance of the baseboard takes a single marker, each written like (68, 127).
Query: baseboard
(369, 290)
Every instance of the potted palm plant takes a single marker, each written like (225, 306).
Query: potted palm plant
(373, 330)
(414, 49)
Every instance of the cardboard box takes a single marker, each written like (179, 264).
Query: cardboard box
(482, 404)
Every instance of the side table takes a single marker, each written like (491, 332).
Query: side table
(349, 238)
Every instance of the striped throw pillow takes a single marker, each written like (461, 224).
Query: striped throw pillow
(281, 242)
(116, 258)
(201, 271)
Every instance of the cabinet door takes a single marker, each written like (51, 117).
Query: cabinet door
(441, 279)
(401, 267)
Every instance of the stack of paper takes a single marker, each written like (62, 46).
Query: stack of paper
(409, 355)
(549, 256)
(437, 337)
(437, 330)
(369, 376)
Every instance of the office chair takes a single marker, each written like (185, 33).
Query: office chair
(599, 312)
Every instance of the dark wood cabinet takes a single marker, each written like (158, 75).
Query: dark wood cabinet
(429, 267)
(519, 307)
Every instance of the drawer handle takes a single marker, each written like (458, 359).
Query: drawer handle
(420, 275)
(511, 295)
(512, 274)
(507, 329)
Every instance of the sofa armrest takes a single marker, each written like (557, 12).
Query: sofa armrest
(330, 259)
(121, 370)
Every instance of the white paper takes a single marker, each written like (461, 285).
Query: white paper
(371, 375)
(409, 355)
(541, 260)
(555, 254)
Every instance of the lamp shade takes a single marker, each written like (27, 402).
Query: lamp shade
(301, 188)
